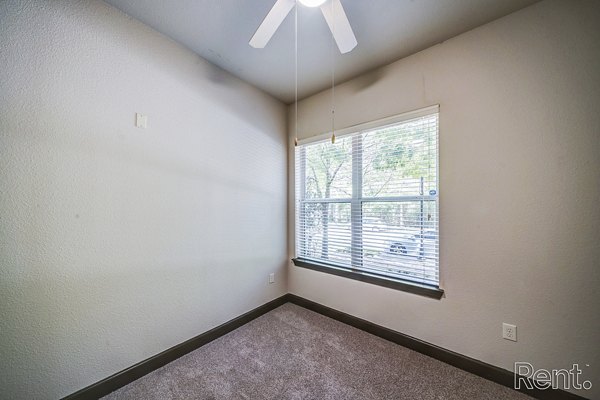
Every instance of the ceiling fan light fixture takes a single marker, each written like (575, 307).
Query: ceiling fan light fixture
(332, 10)
(312, 3)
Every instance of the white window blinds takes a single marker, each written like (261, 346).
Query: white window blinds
(369, 202)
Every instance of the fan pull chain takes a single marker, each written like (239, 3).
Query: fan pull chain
(296, 72)
(332, 76)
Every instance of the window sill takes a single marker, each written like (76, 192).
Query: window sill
(391, 283)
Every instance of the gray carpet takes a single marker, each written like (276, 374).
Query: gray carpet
(294, 353)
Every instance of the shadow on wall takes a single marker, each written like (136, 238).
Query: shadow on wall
(187, 69)
(365, 81)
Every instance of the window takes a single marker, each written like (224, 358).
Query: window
(368, 204)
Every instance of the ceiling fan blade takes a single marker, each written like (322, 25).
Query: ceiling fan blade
(340, 26)
(271, 22)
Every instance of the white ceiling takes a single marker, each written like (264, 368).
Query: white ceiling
(386, 30)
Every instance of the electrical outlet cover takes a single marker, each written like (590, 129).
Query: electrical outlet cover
(509, 332)
(141, 121)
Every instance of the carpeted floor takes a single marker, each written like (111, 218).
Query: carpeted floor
(294, 353)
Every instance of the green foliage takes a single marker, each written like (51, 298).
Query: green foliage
(328, 169)
(395, 160)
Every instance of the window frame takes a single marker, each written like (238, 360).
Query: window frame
(356, 205)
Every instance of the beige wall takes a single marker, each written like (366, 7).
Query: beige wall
(519, 188)
(117, 243)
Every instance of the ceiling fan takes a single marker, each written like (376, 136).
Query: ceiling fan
(332, 11)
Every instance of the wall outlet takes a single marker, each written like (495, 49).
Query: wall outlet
(141, 121)
(509, 332)
(272, 278)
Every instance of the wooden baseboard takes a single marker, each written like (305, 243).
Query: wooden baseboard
(476, 367)
(122, 378)
(484, 370)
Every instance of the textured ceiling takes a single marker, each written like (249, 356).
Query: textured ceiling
(386, 30)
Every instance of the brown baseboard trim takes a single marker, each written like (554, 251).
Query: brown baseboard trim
(122, 378)
(484, 370)
(476, 367)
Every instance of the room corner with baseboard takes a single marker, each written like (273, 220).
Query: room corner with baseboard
(299, 199)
